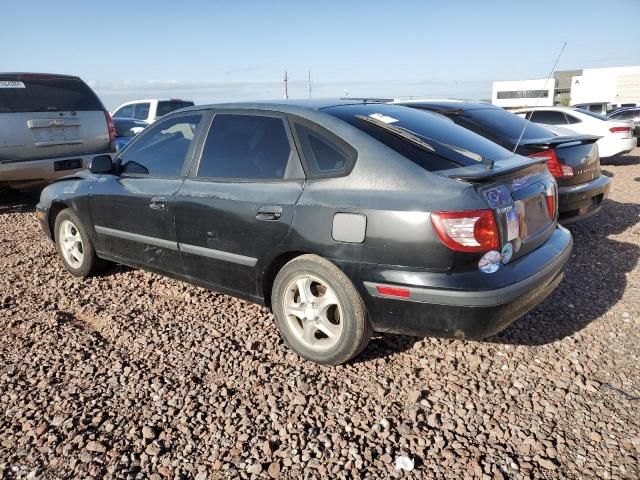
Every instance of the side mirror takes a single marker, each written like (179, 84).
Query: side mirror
(101, 164)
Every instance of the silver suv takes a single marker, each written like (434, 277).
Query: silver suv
(50, 126)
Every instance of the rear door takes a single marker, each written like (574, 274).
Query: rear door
(46, 116)
(133, 212)
(238, 202)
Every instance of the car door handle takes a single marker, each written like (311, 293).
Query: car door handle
(158, 203)
(269, 212)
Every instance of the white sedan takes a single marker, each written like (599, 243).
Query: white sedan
(617, 135)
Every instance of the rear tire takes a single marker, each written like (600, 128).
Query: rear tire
(74, 245)
(318, 311)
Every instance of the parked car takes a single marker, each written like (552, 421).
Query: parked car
(342, 217)
(126, 129)
(631, 114)
(573, 159)
(151, 109)
(616, 135)
(50, 125)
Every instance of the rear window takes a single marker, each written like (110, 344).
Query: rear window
(46, 94)
(453, 144)
(168, 106)
(594, 115)
(499, 125)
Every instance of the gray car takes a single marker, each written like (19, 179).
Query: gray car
(50, 126)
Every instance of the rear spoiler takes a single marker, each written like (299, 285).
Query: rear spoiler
(481, 172)
(560, 140)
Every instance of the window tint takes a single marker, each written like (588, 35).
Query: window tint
(162, 150)
(46, 94)
(124, 112)
(499, 125)
(323, 157)
(141, 111)
(245, 146)
(168, 106)
(452, 144)
(548, 117)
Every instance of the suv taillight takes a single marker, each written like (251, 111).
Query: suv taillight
(111, 126)
(467, 231)
(557, 169)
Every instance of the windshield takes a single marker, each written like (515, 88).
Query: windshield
(46, 94)
(429, 139)
(501, 126)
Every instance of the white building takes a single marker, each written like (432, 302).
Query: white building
(595, 88)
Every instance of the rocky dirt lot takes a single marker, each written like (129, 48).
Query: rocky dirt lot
(131, 375)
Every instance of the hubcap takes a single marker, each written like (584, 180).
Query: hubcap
(71, 244)
(313, 312)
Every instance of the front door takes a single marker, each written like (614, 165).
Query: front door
(133, 212)
(238, 201)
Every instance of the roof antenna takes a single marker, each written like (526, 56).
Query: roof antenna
(527, 120)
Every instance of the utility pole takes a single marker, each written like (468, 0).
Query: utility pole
(286, 88)
(309, 84)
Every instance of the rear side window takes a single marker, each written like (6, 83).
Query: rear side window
(162, 150)
(168, 106)
(323, 155)
(141, 111)
(46, 94)
(548, 117)
(245, 147)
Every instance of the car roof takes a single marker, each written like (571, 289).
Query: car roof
(446, 104)
(285, 105)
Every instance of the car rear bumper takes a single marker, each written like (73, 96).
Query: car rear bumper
(613, 147)
(468, 313)
(577, 202)
(43, 170)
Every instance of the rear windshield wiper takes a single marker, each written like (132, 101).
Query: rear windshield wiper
(423, 142)
(403, 133)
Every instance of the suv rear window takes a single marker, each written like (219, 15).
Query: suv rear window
(46, 94)
(168, 106)
(453, 144)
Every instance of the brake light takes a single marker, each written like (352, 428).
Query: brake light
(111, 126)
(551, 201)
(467, 231)
(620, 129)
(557, 169)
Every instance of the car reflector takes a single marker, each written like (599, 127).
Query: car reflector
(388, 291)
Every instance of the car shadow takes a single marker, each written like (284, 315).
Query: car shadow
(595, 279)
(621, 161)
(13, 201)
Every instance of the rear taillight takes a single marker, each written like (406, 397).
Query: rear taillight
(557, 169)
(111, 126)
(620, 129)
(467, 231)
(551, 201)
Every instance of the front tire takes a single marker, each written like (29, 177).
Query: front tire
(318, 311)
(74, 245)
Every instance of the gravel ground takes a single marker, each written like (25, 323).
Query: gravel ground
(131, 375)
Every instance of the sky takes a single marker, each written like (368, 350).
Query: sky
(214, 51)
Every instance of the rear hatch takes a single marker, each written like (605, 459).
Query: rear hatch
(580, 152)
(523, 197)
(47, 116)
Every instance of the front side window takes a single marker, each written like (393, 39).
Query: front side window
(142, 111)
(245, 147)
(162, 150)
(548, 117)
(124, 112)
